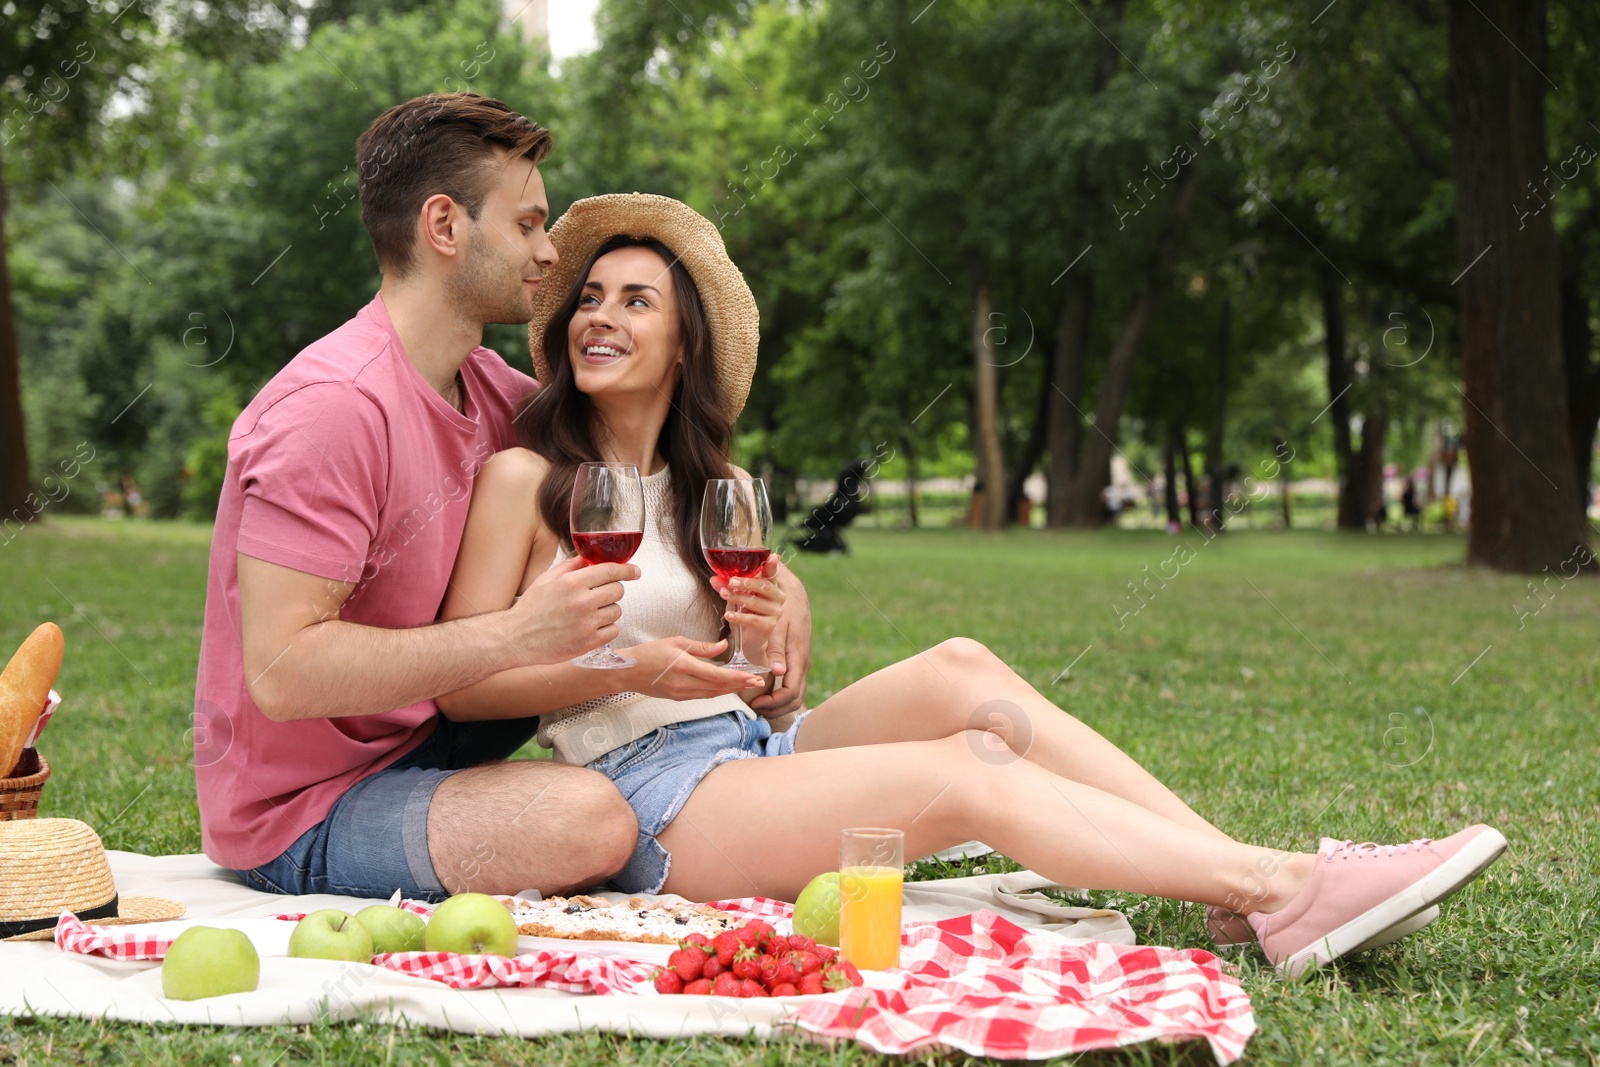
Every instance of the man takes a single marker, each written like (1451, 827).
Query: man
(322, 762)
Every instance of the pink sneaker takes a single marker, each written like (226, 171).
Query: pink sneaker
(1358, 891)
(1230, 931)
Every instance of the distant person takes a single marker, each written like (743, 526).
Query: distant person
(729, 806)
(824, 525)
(1111, 504)
(1409, 508)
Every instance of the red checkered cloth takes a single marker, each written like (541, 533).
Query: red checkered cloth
(978, 983)
(982, 984)
(113, 942)
(131, 942)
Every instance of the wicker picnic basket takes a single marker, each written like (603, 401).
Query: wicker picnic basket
(19, 797)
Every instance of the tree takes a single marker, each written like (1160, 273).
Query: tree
(61, 61)
(1525, 515)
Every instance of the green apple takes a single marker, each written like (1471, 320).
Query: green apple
(392, 929)
(331, 934)
(205, 961)
(816, 913)
(471, 923)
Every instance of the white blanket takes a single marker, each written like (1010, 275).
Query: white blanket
(40, 978)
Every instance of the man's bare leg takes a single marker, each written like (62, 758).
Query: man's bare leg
(528, 824)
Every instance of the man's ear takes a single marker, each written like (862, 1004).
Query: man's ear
(440, 225)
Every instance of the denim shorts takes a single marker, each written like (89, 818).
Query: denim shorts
(375, 838)
(657, 773)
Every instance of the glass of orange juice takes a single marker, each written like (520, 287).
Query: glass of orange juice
(871, 873)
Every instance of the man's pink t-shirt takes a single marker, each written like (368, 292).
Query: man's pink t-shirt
(348, 466)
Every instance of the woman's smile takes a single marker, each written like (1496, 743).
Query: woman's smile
(603, 351)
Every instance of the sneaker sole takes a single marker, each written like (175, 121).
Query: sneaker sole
(1439, 885)
(1404, 928)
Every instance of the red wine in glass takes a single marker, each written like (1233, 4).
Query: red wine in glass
(608, 546)
(736, 562)
(735, 520)
(607, 523)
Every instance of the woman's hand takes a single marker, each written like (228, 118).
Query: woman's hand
(754, 606)
(678, 668)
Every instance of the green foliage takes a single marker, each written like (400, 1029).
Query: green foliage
(869, 165)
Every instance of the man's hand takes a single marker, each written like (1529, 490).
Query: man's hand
(789, 647)
(570, 609)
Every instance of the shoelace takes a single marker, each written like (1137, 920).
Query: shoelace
(1350, 850)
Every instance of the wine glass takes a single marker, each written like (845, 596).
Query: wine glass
(735, 520)
(607, 527)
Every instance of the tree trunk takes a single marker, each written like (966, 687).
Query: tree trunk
(1032, 452)
(15, 485)
(1583, 376)
(908, 449)
(1373, 432)
(1348, 514)
(986, 416)
(1283, 480)
(1174, 436)
(1189, 487)
(1083, 503)
(1066, 391)
(1214, 450)
(1525, 513)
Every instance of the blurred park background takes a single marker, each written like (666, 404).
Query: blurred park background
(1164, 264)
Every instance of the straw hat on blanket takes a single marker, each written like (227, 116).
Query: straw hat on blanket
(48, 866)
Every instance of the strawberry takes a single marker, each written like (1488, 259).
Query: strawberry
(668, 982)
(762, 931)
(767, 966)
(698, 940)
(788, 968)
(727, 943)
(688, 962)
(712, 968)
(801, 944)
(806, 962)
(751, 988)
(746, 963)
(841, 975)
(785, 989)
(725, 985)
(698, 988)
(777, 945)
(811, 984)
(825, 953)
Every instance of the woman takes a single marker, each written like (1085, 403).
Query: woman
(646, 344)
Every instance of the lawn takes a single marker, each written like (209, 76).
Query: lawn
(1286, 685)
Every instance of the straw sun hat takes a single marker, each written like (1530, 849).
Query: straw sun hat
(48, 866)
(730, 309)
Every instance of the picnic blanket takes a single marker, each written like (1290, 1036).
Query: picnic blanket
(990, 966)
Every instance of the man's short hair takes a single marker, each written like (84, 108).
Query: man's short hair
(446, 143)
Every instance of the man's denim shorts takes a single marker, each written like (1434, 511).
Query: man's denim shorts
(657, 773)
(375, 838)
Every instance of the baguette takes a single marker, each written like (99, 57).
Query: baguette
(25, 689)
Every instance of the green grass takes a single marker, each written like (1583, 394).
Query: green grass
(1286, 685)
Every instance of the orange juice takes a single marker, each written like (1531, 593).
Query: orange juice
(869, 916)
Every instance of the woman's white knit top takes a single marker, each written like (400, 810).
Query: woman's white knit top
(667, 600)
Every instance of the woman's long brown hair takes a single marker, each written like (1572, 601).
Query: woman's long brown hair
(559, 422)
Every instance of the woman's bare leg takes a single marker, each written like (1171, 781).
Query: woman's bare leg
(961, 686)
(767, 826)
